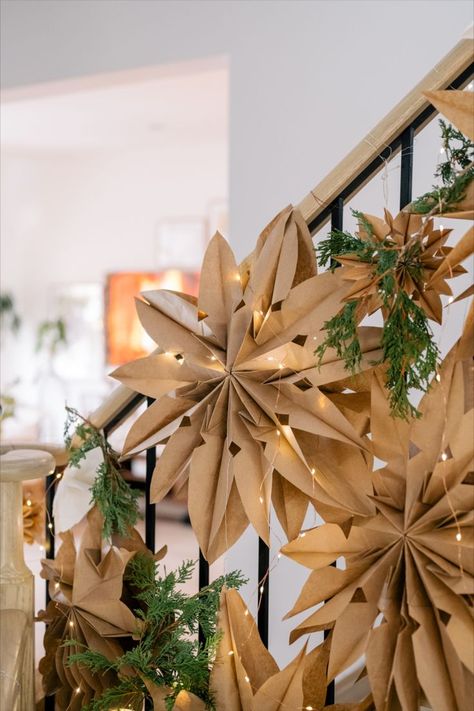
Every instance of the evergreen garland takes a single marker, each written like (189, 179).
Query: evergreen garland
(456, 173)
(168, 653)
(116, 500)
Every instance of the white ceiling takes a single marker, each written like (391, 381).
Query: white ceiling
(181, 107)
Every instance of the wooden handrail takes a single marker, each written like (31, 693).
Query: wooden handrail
(318, 199)
(394, 123)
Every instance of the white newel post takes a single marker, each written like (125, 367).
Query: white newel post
(17, 681)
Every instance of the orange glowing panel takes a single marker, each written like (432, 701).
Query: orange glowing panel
(126, 338)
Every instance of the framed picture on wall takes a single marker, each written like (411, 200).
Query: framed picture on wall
(126, 339)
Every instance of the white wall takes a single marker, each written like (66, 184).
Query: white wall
(308, 80)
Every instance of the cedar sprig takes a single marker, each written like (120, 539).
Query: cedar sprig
(455, 173)
(168, 652)
(115, 499)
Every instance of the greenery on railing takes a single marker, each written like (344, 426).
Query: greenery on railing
(116, 500)
(168, 653)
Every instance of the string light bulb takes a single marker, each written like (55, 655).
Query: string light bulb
(247, 680)
(451, 299)
(444, 456)
(313, 471)
(438, 377)
(230, 653)
(50, 526)
(260, 498)
(262, 589)
(71, 623)
(458, 536)
(58, 475)
(280, 366)
(28, 502)
(246, 613)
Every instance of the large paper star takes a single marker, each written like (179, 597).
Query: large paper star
(412, 560)
(86, 588)
(237, 390)
(245, 677)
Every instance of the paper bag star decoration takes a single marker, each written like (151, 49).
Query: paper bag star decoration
(418, 251)
(411, 562)
(245, 677)
(86, 589)
(238, 398)
(33, 511)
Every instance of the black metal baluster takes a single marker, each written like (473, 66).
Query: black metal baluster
(337, 221)
(50, 483)
(49, 532)
(263, 590)
(150, 509)
(203, 583)
(406, 170)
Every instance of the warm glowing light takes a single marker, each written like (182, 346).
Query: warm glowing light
(237, 277)
(438, 377)
(246, 613)
(247, 680)
(41, 548)
(58, 475)
(262, 589)
(50, 526)
(302, 535)
(230, 653)
(28, 502)
(281, 366)
(279, 556)
(78, 690)
(444, 456)
(458, 536)
(260, 498)
(451, 299)
(442, 149)
(308, 708)
(270, 358)
(441, 228)
(213, 357)
(71, 623)
(278, 433)
(313, 471)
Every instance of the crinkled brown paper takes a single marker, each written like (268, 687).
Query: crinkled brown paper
(412, 561)
(86, 588)
(245, 677)
(238, 395)
(437, 261)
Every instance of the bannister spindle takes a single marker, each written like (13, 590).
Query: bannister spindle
(263, 589)
(150, 509)
(406, 170)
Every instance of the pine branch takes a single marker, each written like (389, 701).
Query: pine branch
(456, 174)
(115, 499)
(168, 653)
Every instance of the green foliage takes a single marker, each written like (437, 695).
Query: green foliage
(410, 352)
(455, 173)
(9, 313)
(168, 652)
(342, 336)
(50, 335)
(116, 500)
(407, 340)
